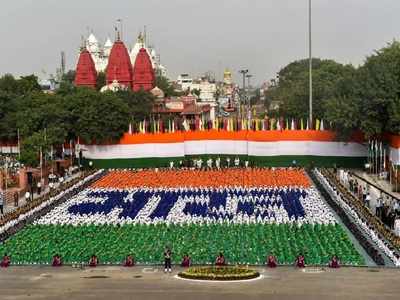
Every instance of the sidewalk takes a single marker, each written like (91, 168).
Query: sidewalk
(383, 184)
(10, 207)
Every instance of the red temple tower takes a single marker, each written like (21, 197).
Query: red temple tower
(119, 66)
(86, 74)
(143, 72)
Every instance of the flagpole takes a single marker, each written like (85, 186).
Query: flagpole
(376, 154)
(310, 62)
(41, 165)
(19, 145)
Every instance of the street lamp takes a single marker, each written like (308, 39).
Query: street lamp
(248, 76)
(244, 72)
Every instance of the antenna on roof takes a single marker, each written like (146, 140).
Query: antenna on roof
(145, 35)
(121, 27)
(83, 43)
(116, 33)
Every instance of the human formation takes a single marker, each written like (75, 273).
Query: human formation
(207, 216)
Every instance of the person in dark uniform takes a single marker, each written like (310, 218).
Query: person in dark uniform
(129, 261)
(93, 262)
(334, 263)
(167, 260)
(271, 261)
(186, 261)
(6, 261)
(56, 261)
(300, 261)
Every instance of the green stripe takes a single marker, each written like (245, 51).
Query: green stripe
(264, 161)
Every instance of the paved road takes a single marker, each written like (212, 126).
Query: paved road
(121, 283)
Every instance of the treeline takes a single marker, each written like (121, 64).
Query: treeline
(349, 98)
(46, 121)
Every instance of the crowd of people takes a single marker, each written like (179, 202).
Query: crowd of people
(15, 220)
(363, 211)
(372, 228)
(170, 178)
(386, 207)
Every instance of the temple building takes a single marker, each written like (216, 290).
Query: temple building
(135, 69)
(143, 72)
(119, 67)
(101, 52)
(86, 74)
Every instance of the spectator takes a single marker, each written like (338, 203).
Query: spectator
(368, 200)
(39, 187)
(16, 199)
(27, 196)
(379, 206)
(396, 207)
(1, 202)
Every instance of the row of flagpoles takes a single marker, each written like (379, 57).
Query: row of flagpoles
(228, 124)
(376, 156)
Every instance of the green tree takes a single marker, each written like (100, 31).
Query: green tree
(379, 87)
(9, 84)
(140, 103)
(28, 84)
(166, 86)
(292, 90)
(96, 117)
(101, 80)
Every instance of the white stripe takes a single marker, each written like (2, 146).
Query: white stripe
(215, 147)
(336, 149)
(307, 148)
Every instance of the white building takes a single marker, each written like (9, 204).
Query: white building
(101, 52)
(184, 81)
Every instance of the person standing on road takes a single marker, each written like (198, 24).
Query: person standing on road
(167, 260)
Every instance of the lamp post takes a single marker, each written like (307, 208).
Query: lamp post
(248, 76)
(243, 72)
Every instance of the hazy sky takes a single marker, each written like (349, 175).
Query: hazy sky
(195, 36)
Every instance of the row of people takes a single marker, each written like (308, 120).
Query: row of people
(376, 227)
(271, 261)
